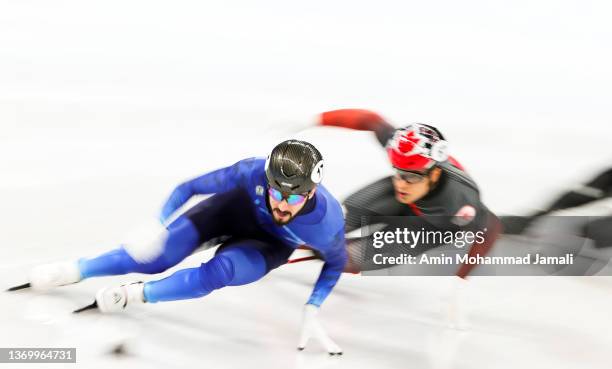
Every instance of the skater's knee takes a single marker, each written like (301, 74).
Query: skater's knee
(218, 272)
(234, 266)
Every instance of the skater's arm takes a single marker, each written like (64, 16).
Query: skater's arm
(359, 119)
(220, 180)
(335, 260)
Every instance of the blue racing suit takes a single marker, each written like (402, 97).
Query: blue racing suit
(253, 244)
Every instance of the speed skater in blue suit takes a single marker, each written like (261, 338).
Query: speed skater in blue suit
(260, 210)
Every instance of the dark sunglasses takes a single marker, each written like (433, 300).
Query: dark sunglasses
(290, 198)
(412, 177)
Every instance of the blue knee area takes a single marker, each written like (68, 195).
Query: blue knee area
(216, 273)
(184, 284)
(233, 266)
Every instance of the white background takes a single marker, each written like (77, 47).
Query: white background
(106, 105)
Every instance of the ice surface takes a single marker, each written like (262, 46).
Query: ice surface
(105, 106)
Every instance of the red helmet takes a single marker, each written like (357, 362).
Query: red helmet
(417, 147)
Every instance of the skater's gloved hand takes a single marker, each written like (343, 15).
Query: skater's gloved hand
(177, 198)
(312, 328)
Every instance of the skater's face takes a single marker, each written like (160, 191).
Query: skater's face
(410, 188)
(285, 207)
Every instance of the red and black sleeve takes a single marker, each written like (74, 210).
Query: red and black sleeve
(359, 119)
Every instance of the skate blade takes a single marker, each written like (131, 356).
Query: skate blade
(20, 287)
(93, 305)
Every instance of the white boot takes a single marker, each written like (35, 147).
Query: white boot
(45, 277)
(114, 299)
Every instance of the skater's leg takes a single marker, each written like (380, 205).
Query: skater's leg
(153, 255)
(158, 250)
(242, 263)
(211, 218)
